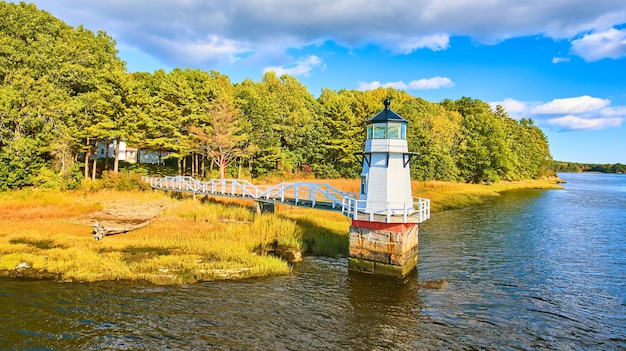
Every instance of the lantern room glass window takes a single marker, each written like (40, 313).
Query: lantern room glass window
(386, 131)
(393, 131)
(380, 131)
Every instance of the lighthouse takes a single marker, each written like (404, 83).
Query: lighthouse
(385, 216)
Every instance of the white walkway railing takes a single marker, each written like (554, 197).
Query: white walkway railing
(316, 195)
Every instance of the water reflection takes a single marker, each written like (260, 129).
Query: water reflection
(385, 311)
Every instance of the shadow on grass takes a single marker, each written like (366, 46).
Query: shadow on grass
(137, 254)
(40, 244)
(321, 241)
(317, 240)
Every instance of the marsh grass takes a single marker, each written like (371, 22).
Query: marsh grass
(447, 196)
(322, 233)
(192, 240)
(41, 204)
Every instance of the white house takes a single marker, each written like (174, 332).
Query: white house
(130, 154)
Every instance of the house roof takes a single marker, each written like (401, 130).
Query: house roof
(386, 115)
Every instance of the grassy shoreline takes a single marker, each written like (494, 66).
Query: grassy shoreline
(48, 234)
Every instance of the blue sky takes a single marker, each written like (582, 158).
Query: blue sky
(560, 62)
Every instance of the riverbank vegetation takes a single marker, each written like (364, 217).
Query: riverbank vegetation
(64, 90)
(48, 233)
(560, 166)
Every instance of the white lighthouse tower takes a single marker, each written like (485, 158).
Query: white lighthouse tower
(386, 177)
(386, 216)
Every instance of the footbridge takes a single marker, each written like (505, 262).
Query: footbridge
(303, 194)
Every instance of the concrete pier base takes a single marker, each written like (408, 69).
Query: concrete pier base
(383, 248)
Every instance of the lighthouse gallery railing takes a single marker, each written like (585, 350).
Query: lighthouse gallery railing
(389, 211)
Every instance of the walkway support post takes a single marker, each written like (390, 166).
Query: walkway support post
(261, 207)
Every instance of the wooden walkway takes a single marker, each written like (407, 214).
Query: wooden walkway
(303, 194)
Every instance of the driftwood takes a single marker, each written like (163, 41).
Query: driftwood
(100, 231)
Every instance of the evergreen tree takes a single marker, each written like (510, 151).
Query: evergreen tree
(260, 113)
(345, 135)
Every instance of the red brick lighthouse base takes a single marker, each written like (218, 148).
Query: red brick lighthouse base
(383, 248)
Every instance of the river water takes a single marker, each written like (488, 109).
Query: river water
(532, 270)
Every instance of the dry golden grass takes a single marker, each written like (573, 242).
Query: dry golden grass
(192, 240)
(446, 196)
(37, 204)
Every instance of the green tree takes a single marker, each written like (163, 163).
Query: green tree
(484, 156)
(260, 113)
(345, 136)
(121, 111)
(177, 108)
(299, 125)
(285, 124)
(46, 69)
(435, 134)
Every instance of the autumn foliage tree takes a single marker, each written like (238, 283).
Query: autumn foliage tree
(223, 141)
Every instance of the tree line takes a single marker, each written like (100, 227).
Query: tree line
(63, 89)
(574, 167)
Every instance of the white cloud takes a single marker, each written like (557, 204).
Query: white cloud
(243, 28)
(431, 83)
(512, 106)
(435, 42)
(369, 86)
(303, 67)
(419, 84)
(556, 60)
(575, 105)
(600, 45)
(210, 48)
(570, 122)
(576, 113)
(618, 111)
(396, 85)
